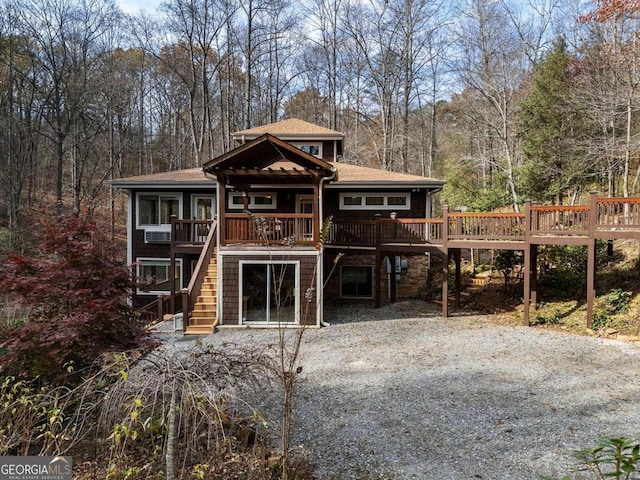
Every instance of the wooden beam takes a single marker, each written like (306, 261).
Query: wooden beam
(445, 284)
(393, 284)
(376, 280)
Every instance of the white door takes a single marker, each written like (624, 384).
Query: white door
(304, 226)
(203, 207)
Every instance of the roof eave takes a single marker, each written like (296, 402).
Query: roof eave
(162, 184)
(431, 184)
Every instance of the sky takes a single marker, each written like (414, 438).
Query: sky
(134, 6)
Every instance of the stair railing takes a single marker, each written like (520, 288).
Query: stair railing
(191, 293)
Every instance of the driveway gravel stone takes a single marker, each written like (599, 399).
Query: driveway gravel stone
(401, 393)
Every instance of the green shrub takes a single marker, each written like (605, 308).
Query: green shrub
(555, 318)
(617, 301)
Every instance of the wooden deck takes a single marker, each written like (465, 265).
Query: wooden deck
(602, 218)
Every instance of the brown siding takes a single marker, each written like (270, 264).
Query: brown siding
(327, 151)
(332, 205)
(231, 289)
(160, 250)
(286, 200)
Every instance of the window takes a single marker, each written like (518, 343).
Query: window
(314, 149)
(257, 201)
(375, 201)
(155, 273)
(349, 201)
(356, 281)
(269, 292)
(157, 209)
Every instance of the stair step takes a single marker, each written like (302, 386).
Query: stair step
(200, 321)
(198, 330)
(204, 298)
(207, 307)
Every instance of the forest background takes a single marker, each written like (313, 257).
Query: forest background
(507, 100)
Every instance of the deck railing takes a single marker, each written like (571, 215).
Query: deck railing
(353, 232)
(618, 214)
(602, 218)
(189, 232)
(560, 220)
(486, 226)
(269, 228)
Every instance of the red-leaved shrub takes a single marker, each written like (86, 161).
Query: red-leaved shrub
(77, 298)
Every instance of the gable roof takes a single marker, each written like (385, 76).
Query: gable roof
(290, 128)
(267, 157)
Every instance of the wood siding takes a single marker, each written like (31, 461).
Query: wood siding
(231, 284)
(332, 204)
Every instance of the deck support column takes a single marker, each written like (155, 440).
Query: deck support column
(445, 284)
(376, 279)
(393, 282)
(534, 276)
(530, 281)
(591, 280)
(591, 257)
(457, 257)
(527, 287)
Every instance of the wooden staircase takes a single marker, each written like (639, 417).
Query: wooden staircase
(204, 315)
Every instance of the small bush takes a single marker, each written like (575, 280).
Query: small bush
(555, 318)
(617, 301)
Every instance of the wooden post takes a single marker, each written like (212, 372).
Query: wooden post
(172, 267)
(160, 308)
(393, 284)
(376, 280)
(534, 276)
(591, 258)
(445, 261)
(445, 284)
(186, 308)
(457, 258)
(222, 227)
(527, 263)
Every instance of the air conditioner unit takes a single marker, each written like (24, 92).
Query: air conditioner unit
(153, 236)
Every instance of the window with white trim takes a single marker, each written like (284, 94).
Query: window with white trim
(257, 201)
(155, 273)
(375, 201)
(156, 209)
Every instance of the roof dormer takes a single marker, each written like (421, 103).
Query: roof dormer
(321, 142)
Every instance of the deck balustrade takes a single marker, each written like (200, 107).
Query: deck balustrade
(271, 229)
(602, 218)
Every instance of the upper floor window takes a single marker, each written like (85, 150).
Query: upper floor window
(157, 208)
(314, 149)
(375, 201)
(256, 201)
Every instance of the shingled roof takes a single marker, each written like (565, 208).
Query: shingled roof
(190, 177)
(358, 176)
(290, 128)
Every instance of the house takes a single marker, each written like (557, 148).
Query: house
(241, 241)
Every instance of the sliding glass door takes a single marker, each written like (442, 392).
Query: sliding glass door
(269, 292)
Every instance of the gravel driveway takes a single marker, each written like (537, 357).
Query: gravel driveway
(401, 393)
